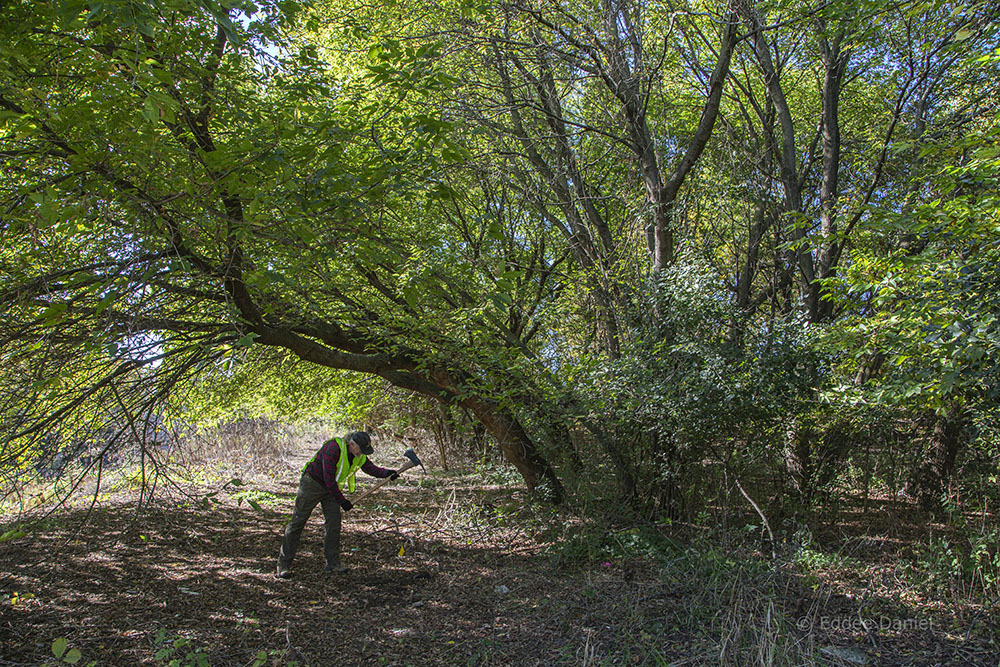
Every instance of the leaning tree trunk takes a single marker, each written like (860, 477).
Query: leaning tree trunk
(516, 446)
(514, 442)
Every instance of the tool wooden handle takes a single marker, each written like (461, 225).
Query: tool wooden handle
(382, 482)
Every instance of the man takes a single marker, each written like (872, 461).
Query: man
(336, 462)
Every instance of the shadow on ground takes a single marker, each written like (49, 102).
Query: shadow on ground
(436, 578)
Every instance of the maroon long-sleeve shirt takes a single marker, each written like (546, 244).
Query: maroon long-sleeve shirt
(323, 468)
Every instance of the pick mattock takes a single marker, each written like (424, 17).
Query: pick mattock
(412, 461)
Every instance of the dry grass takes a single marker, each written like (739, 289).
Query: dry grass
(250, 447)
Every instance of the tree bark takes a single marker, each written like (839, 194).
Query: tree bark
(517, 447)
(783, 146)
(835, 65)
(513, 440)
(936, 463)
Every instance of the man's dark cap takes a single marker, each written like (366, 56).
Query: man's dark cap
(363, 440)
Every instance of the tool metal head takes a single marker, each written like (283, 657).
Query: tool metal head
(412, 455)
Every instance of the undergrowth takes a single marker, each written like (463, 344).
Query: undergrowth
(648, 593)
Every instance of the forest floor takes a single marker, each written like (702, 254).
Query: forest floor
(447, 571)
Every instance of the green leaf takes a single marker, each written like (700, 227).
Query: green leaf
(150, 110)
(247, 341)
(54, 313)
(103, 304)
(59, 647)
(410, 294)
(222, 18)
(73, 656)
(69, 11)
(12, 534)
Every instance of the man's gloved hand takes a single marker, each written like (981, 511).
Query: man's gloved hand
(346, 504)
(393, 474)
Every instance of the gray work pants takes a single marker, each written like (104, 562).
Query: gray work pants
(310, 494)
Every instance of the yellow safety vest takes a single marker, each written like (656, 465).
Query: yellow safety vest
(346, 470)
